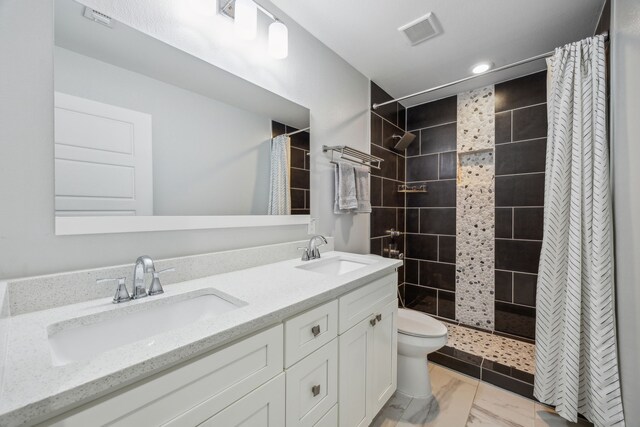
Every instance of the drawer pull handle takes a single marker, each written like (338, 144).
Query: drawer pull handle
(315, 330)
(315, 390)
(379, 317)
(373, 322)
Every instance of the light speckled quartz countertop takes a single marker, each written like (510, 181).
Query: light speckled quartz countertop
(33, 389)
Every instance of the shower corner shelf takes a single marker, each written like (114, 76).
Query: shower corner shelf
(412, 189)
(352, 155)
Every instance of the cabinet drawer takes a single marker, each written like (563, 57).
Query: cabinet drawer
(190, 393)
(330, 419)
(361, 303)
(309, 331)
(263, 407)
(312, 386)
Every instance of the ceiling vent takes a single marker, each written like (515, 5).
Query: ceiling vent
(421, 29)
(98, 17)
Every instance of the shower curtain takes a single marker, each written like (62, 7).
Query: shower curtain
(279, 188)
(576, 353)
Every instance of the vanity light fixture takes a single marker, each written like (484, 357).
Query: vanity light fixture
(278, 40)
(245, 16)
(481, 67)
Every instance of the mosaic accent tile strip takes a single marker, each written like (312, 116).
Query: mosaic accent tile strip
(475, 213)
(495, 348)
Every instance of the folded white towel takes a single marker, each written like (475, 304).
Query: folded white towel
(347, 186)
(362, 190)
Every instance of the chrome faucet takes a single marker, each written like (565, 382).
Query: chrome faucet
(144, 264)
(312, 251)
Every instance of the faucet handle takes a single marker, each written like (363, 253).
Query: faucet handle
(305, 253)
(156, 287)
(122, 294)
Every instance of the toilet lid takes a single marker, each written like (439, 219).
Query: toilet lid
(418, 324)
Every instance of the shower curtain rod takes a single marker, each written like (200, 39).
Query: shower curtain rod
(298, 131)
(504, 67)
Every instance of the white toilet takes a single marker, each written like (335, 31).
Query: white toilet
(418, 335)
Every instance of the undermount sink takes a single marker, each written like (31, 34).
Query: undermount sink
(83, 338)
(336, 266)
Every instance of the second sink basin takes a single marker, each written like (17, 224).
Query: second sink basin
(335, 266)
(83, 338)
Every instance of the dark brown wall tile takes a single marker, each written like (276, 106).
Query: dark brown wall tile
(277, 128)
(376, 191)
(438, 139)
(504, 285)
(515, 319)
(382, 219)
(298, 157)
(421, 246)
(504, 224)
(438, 221)
(518, 255)
(520, 190)
(390, 195)
(422, 168)
(389, 167)
(299, 140)
(411, 270)
(520, 92)
(297, 199)
(447, 304)
(439, 194)
(448, 165)
(447, 249)
(530, 122)
(414, 148)
(524, 289)
(376, 129)
(413, 221)
(421, 299)
(521, 157)
(433, 113)
(528, 223)
(503, 127)
(438, 275)
(299, 178)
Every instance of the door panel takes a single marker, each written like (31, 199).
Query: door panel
(384, 355)
(103, 160)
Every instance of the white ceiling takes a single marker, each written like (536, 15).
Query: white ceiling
(364, 33)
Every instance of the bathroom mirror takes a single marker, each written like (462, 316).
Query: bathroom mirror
(149, 137)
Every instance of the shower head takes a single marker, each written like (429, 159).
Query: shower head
(403, 140)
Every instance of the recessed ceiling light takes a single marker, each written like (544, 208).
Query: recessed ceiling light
(481, 67)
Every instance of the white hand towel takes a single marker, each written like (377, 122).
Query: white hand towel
(362, 190)
(347, 186)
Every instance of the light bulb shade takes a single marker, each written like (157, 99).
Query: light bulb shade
(246, 19)
(278, 40)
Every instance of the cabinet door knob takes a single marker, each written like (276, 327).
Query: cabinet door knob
(373, 322)
(379, 317)
(315, 390)
(315, 330)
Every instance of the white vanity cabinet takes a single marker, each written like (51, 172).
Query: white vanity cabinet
(368, 351)
(333, 365)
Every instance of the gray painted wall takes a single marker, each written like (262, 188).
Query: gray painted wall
(625, 132)
(312, 76)
(209, 158)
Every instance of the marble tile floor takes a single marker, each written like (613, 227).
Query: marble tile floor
(462, 401)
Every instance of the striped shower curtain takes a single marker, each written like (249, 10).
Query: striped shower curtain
(576, 352)
(279, 187)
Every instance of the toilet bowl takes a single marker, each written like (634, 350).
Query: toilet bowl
(418, 335)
